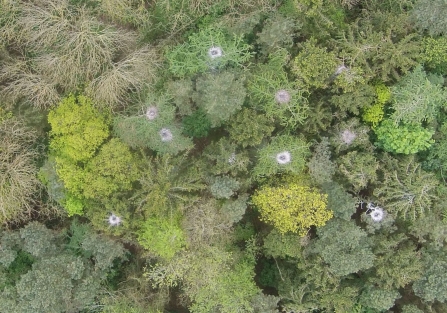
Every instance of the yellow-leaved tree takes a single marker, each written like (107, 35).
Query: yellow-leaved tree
(293, 207)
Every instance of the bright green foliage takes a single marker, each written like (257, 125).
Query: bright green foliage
(405, 139)
(113, 169)
(220, 95)
(73, 205)
(430, 16)
(292, 208)
(88, 167)
(196, 125)
(321, 168)
(248, 128)
(344, 246)
(383, 93)
(223, 187)
(359, 168)
(77, 129)
(313, 65)
(277, 32)
(407, 189)
(416, 99)
(435, 54)
(379, 299)
(195, 55)
(375, 113)
(283, 154)
(339, 201)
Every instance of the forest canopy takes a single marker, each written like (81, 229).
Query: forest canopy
(253, 156)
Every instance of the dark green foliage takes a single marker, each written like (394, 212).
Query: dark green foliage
(248, 128)
(21, 264)
(196, 125)
(432, 285)
(280, 96)
(406, 189)
(344, 246)
(354, 101)
(54, 273)
(381, 53)
(167, 183)
(397, 263)
(283, 246)
(235, 209)
(224, 157)
(321, 168)
(223, 187)
(359, 169)
(436, 159)
(182, 92)
(430, 15)
(339, 201)
(379, 299)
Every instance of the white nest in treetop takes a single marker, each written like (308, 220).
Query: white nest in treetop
(282, 96)
(215, 52)
(114, 220)
(151, 113)
(165, 135)
(283, 157)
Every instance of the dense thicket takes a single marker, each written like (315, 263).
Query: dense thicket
(252, 156)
